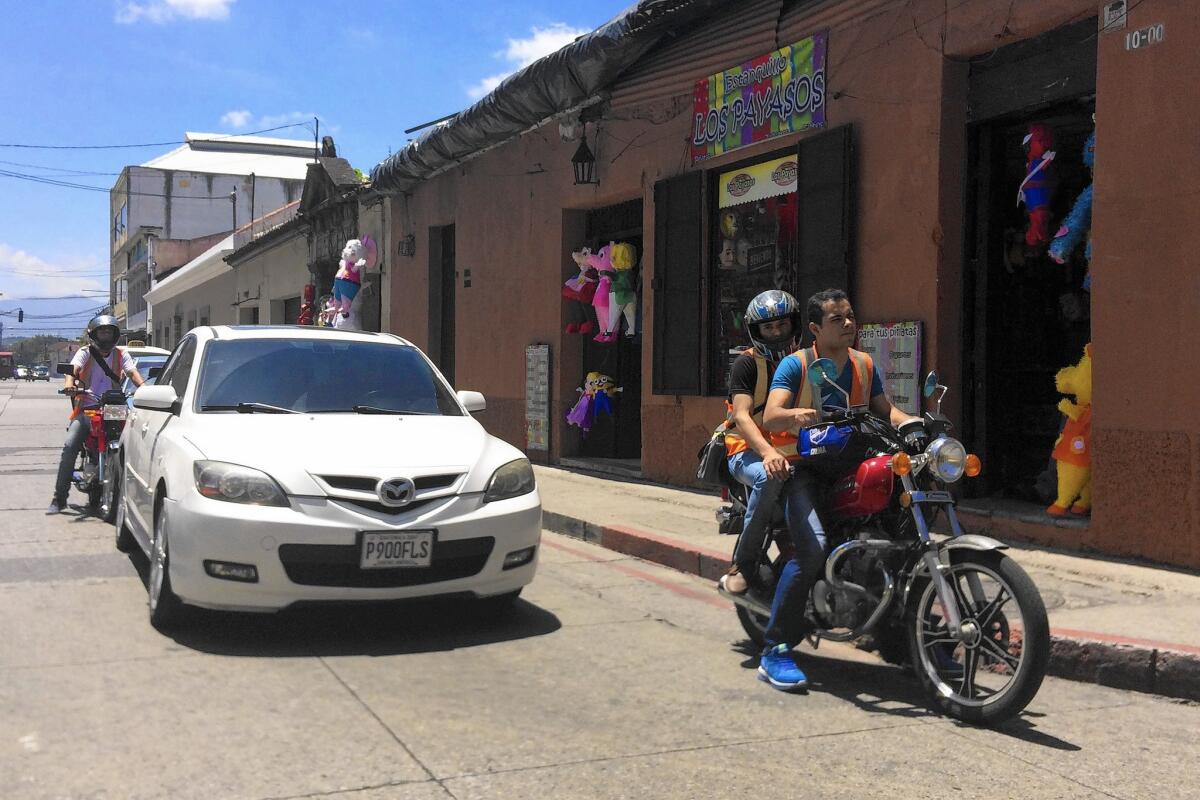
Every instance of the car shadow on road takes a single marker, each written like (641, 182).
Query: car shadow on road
(370, 629)
(880, 688)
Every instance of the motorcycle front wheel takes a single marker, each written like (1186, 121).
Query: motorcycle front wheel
(993, 670)
(110, 488)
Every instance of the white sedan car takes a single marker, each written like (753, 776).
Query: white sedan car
(272, 465)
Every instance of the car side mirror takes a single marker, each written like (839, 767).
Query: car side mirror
(155, 398)
(65, 369)
(473, 402)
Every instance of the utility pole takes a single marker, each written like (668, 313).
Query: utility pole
(233, 197)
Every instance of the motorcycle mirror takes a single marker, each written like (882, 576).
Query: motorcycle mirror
(65, 369)
(821, 371)
(154, 372)
(931, 384)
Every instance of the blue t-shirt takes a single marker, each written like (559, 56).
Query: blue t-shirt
(791, 371)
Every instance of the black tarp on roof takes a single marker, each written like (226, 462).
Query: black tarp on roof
(551, 85)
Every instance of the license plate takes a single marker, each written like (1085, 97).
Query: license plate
(391, 549)
(116, 412)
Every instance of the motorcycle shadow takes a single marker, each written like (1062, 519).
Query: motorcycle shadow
(359, 628)
(880, 688)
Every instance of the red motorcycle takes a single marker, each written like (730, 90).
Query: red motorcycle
(965, 616)
(97, 472)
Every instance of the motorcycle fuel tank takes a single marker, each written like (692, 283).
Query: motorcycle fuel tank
(867, 491)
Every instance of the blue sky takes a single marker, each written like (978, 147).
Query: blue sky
(87, 72)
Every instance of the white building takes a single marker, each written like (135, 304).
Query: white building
(212, 184)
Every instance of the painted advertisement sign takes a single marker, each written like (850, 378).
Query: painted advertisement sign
(896, 349)
(758, 181)
(772, 95)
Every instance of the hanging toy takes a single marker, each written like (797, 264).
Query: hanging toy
(602, 263)
(1073, 448)
(1037, 189)
(307, 298)
(603, 390)
(622, 293)
(358, 256)
(579, 292)
(595, 397)
(1078, 223)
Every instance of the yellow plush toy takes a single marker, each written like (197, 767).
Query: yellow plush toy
(1073, 449)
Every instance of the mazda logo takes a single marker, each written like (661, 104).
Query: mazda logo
(396, 492)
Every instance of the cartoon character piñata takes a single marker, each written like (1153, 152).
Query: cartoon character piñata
(1073, 449)
(579, 291)
(1038, 187)
(622, 295)
(357, 256)
(1078, 223)
(595, 397)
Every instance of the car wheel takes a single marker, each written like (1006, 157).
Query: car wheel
(166, 609)
(125, 541)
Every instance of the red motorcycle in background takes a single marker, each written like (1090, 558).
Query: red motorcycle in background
(97, 472)
(965, 616)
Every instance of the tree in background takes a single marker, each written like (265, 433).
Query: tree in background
(36, 349)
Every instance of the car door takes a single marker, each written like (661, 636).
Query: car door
(148, 425)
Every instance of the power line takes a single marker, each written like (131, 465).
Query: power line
(146, 144)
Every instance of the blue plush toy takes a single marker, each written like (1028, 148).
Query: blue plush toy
(1078, 223)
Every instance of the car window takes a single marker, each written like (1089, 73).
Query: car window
(321, 376)
(183, 370)
(144, 365)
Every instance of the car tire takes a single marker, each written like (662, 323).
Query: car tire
(167, 611)
(124, 540)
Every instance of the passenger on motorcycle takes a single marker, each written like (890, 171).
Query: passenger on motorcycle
(792, 405)
(774, 323)
(104, 331)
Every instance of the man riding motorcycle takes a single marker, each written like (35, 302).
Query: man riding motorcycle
(792, 405)
(99, 367)
(774, 323)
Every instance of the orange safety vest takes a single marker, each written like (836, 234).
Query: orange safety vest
(115, 358)
(734, 443)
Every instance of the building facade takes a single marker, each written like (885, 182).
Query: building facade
(904, 193)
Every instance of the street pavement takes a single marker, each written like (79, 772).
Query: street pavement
(612, 678)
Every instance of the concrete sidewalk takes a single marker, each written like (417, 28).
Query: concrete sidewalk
(1112, 622)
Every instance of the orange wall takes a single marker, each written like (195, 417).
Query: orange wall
(516, 211)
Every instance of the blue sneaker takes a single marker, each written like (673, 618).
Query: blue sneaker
(777, 668)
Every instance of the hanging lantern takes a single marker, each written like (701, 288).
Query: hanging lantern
(584, 164)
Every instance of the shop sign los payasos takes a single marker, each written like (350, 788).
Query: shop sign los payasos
(773, 95)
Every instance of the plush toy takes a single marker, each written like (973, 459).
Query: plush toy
(307, 312)
(579, 292)
(1038, 187)
(1073, 449)
(1078, 223)
(357, 256)
(602, 263)
(595, 396)
(622, 294)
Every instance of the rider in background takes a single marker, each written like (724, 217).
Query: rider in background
(104, 332)
(791, 406)
(775, 325)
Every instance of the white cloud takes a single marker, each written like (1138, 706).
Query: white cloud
(163, 11)
(23, 274)
(521, 53)
(236, 119)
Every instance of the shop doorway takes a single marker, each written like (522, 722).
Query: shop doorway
(442, 284)
(616, 438)
(1026, 316)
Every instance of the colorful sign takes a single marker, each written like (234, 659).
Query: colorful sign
(758, 182)
(773, 95)
(896, 350)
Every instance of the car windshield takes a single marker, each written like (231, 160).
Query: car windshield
(313, 376)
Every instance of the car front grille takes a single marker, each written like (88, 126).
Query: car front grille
(367, 484)
(337, 565)
(380, 508)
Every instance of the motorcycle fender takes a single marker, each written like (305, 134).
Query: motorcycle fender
(968, 541)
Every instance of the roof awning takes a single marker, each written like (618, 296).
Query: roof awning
(555, 84)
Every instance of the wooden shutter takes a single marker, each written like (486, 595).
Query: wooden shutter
(678, 218)
(825, 213)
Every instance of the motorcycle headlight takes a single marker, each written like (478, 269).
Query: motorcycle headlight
(116, 412)
(947, 459)
(236, 484)
(511, 480)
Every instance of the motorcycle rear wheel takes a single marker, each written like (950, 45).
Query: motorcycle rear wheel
(991, 677)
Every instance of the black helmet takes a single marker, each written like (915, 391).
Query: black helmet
(772, 306)
(104, 330)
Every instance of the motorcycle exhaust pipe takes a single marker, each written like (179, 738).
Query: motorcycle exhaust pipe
(746, 602)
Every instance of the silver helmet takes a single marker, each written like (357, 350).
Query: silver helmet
(104, 330)
(771, 306)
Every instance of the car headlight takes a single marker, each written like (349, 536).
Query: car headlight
(236, 484)
(947, 458)
(511, 480)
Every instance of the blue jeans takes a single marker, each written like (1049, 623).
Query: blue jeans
(747, 468)
(787, 623)
(77, 433)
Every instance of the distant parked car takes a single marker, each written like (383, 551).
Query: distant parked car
(41, 373)
(23, 373)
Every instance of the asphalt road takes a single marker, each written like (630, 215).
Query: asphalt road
(613, 678)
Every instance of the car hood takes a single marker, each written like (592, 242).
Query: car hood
(293, 447)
